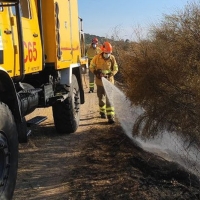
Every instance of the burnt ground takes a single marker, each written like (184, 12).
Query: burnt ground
(97, 162)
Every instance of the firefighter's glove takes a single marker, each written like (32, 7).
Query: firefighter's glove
(98, 73)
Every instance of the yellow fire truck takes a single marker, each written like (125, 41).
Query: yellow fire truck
(41, 57)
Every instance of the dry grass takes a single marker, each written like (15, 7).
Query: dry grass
(162, 74)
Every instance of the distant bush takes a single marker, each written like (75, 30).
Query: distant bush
(162, 75)
(89, 37)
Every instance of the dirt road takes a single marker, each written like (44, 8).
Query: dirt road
(97, 162)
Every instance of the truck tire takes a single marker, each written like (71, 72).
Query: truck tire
(8, 153)
(66, 114)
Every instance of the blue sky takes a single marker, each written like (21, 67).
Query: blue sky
(108, 17)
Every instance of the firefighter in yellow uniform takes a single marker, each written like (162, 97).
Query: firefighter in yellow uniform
(104, 65)
(91, 52)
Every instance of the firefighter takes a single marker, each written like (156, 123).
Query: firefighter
(104, 65)
(91, 52)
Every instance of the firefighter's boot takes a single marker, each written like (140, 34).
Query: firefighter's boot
(91, 90)
(103, 115)
(111, 120)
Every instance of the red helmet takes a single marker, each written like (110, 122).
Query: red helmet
(107, 47)
(94, 40)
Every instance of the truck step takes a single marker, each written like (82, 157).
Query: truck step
(36, 120)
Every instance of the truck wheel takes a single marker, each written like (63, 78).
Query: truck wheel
(8, 153)
(66, 114)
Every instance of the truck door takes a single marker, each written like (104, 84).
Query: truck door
(30, 34)
(64, 32)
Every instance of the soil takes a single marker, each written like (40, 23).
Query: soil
(97, 162)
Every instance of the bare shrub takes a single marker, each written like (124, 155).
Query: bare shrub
(162, 75)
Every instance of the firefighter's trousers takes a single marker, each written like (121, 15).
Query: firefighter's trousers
(91, 81)
(105, 106)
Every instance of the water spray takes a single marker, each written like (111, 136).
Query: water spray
(170, 146)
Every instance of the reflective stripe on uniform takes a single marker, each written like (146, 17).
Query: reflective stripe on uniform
(102, 109)
(115, 67)
(106, 71)
(91, 85)
(110, 111)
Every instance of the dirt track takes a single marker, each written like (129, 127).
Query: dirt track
(97, 162)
